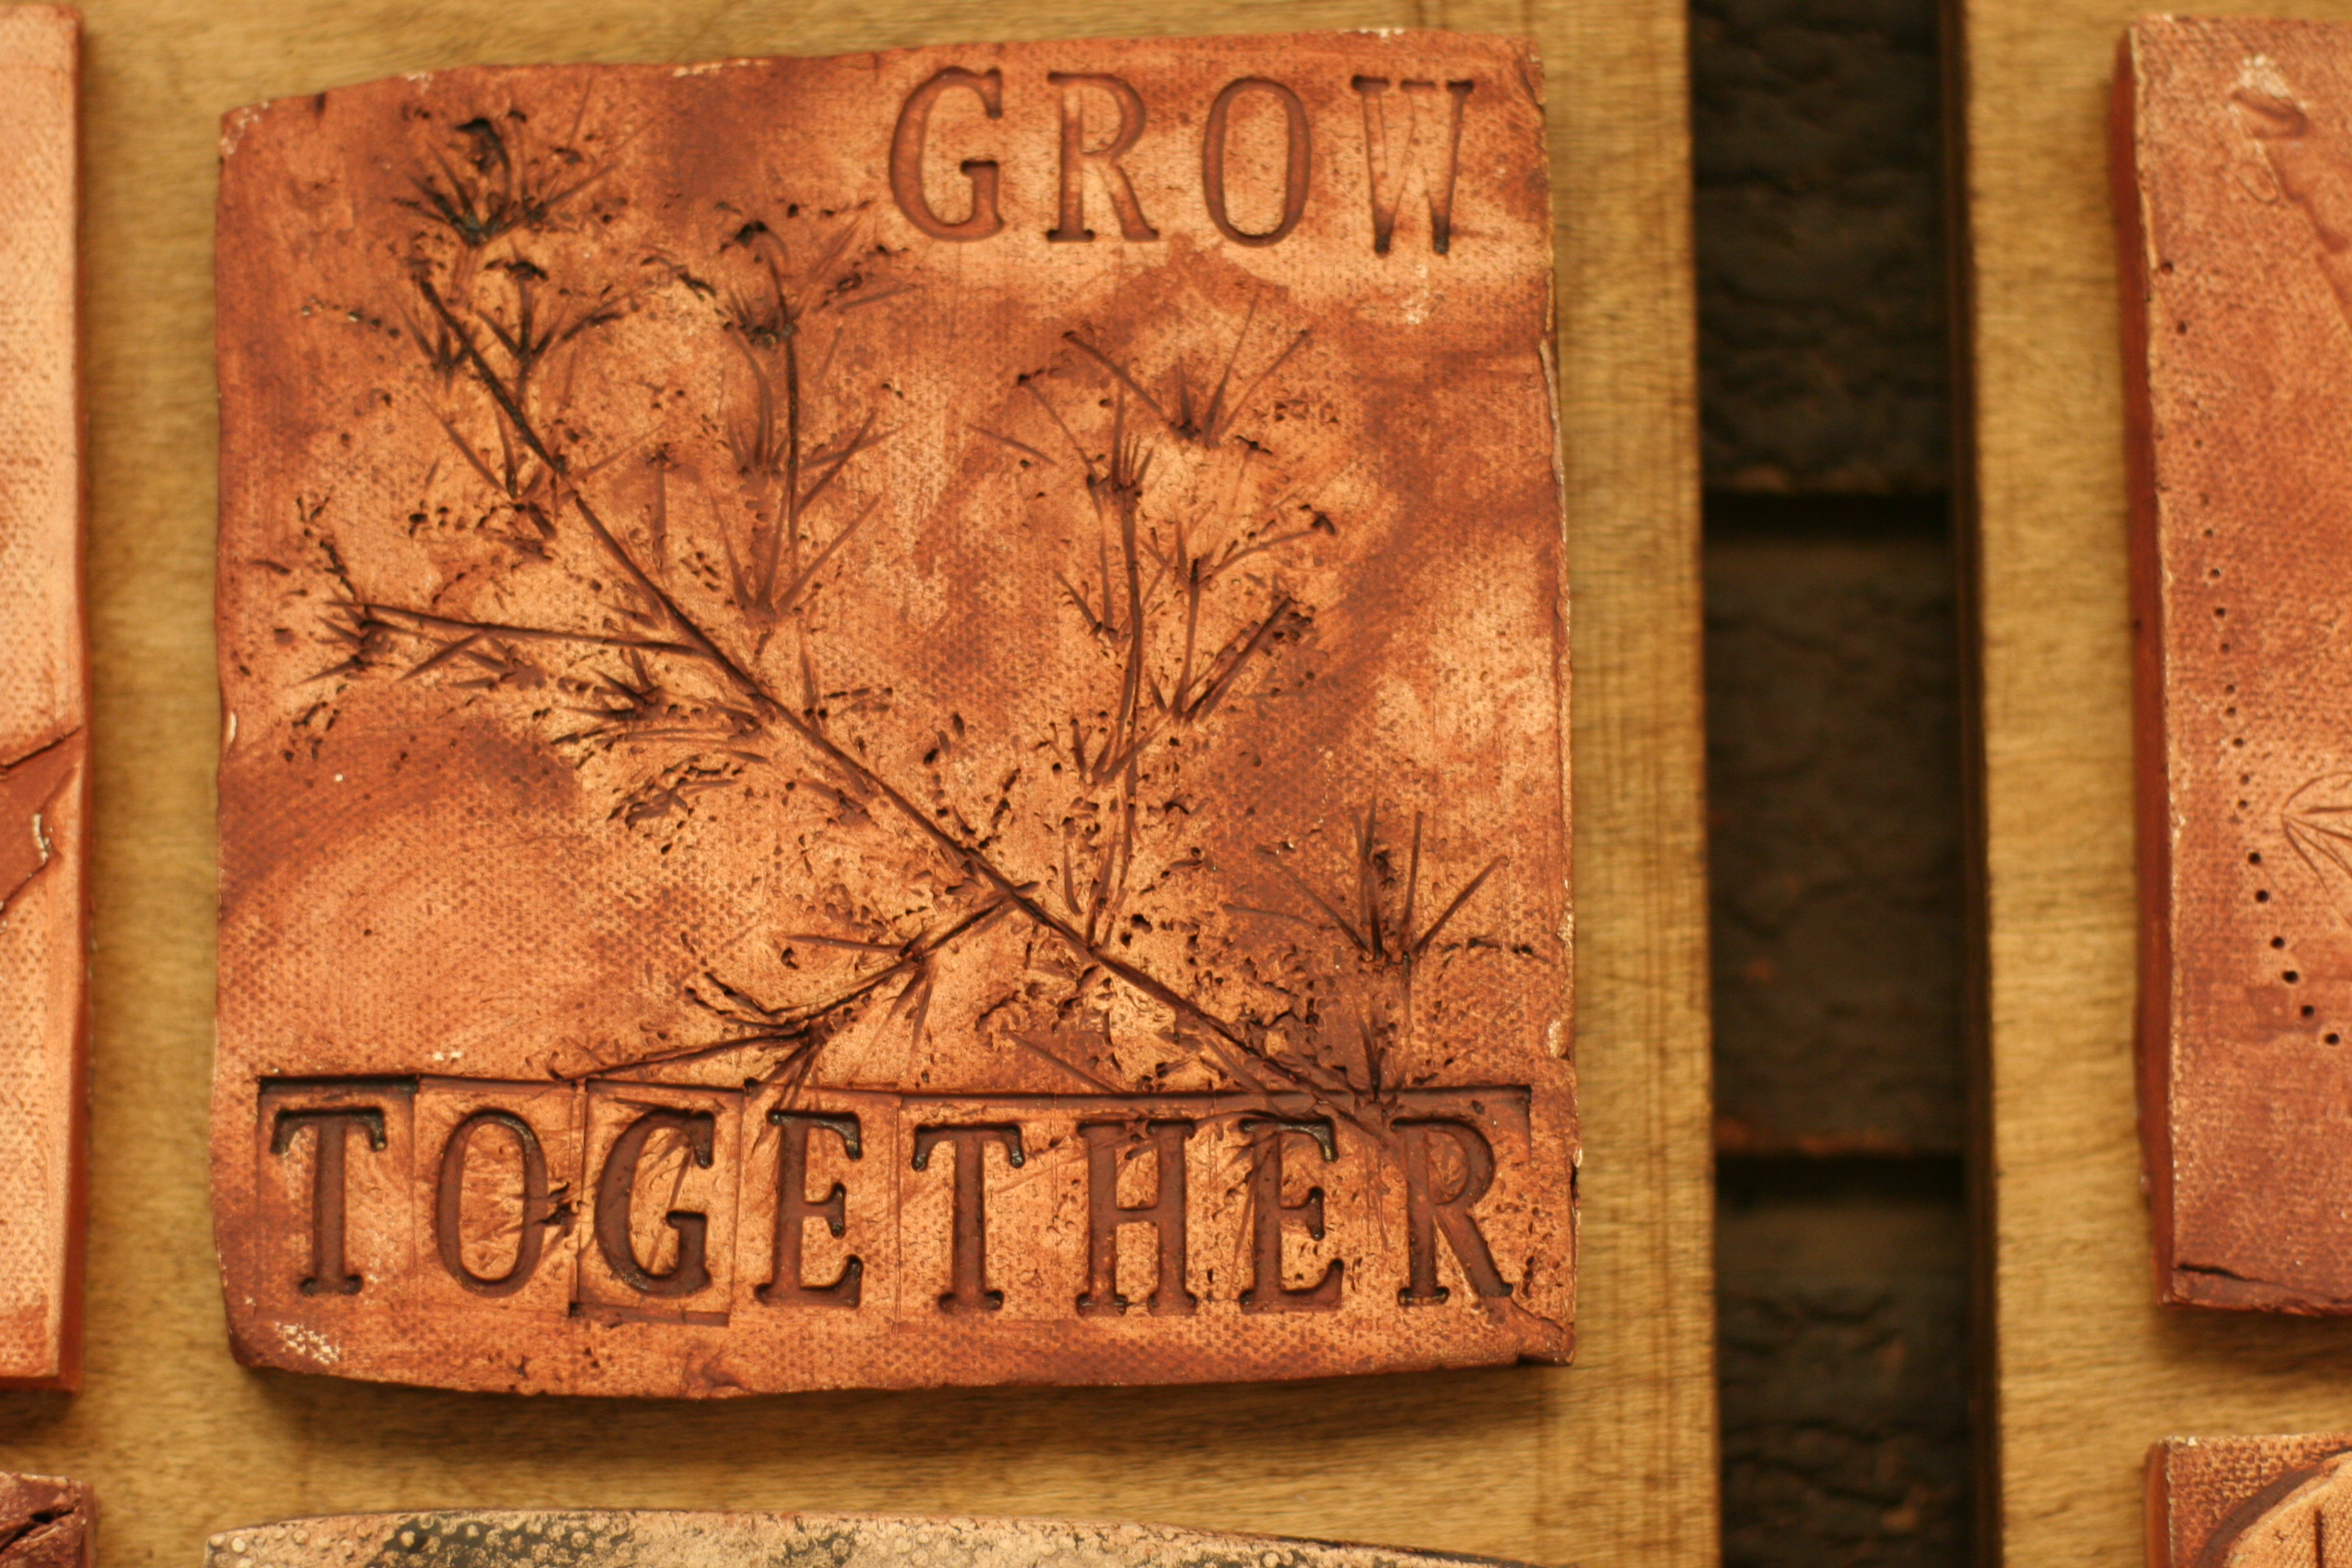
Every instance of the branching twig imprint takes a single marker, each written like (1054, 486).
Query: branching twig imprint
(685, 624)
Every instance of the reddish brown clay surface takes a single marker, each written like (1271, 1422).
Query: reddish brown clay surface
(43, 708)
(2249, 1502)
(655, 1539)
(2234, 182)
(46, 1522)
(895, 721)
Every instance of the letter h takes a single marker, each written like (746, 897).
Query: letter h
(1106, 1214)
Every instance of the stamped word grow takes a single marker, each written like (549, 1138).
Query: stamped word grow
(896, 720)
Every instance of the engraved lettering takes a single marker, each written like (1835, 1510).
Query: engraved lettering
(1105, 1215)
(968, 1259)
(1269, 1215)
(330, 1269)
(501, 1208)
(1431, 154)
(716, 725)
(906, 157)
(1076, 157)
(795, 1208)
(449, 1209)
(615, 1192)
(1296, 167)
(1428, 1210)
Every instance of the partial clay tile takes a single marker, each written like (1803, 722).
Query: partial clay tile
(46, 1522)
(2233, 169)
(659, 1539)
(2248, 1502)
(45, 708)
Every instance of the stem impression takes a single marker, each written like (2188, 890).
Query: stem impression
(502, 338)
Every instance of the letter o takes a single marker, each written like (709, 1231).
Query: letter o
(1297, 169)
(448, 1215)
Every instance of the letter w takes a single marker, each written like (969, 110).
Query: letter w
(1395, 161)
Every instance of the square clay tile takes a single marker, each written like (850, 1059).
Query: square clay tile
(896, 720)
(45, 708)
(2233, 169)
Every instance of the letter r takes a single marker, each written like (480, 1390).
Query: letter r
(1429, 1211)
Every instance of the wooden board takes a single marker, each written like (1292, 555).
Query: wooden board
(44, 712)
(2088, 1371)
(1609, 1462)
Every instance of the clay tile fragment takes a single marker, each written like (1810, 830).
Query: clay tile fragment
(44, 785)
(46, 1522)
(2248, 1502)
(895, 721)
(652, 1538)
(2233, 171)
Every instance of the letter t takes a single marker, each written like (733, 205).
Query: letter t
(968, 1261)
(330, 1269)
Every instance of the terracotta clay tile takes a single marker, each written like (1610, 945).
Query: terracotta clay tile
(44, 787)
(46, 1522)
(895, 721)
(2248, 1502)
(660, 1538)
(2234, 181)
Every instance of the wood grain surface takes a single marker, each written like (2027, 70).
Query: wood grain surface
(44, 711)
(1610, 1462)
(2089, 1370)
